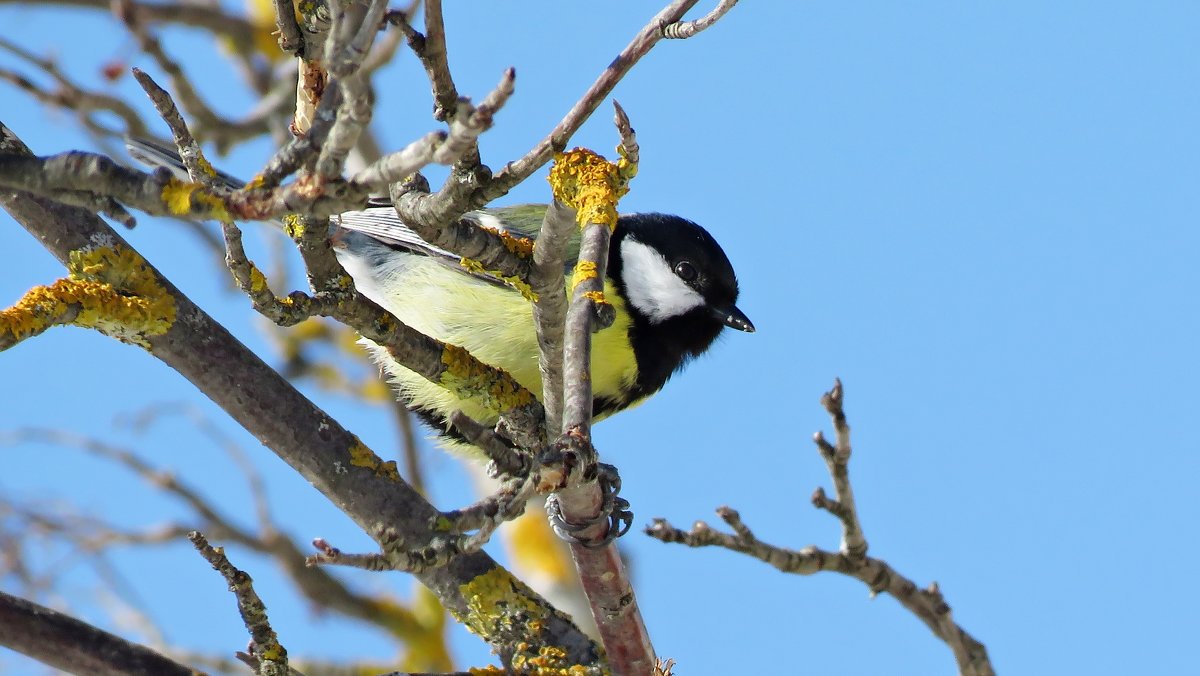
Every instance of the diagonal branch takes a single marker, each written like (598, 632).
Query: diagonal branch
(517, 171)
(72, 645)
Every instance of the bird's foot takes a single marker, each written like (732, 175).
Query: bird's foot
(614, 512)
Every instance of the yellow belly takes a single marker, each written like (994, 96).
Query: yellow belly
(495, 324)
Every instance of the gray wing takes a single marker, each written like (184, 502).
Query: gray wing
(378, 221)
(154, 154)
(382, 223)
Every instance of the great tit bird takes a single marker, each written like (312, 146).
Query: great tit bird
(670, 283)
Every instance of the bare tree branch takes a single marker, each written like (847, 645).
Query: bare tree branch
(601, 571)
(927, 604)
(66, 643)
(199, 15)
(369, 490)
(71, 96)
(682, 30)
(517, 171)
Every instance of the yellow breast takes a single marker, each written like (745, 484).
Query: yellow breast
(495, 324)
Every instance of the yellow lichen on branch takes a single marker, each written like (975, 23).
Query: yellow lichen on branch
(626, 168)
(470, 378)
(184, 198)
(584, 270)
(514, 281)
(109, 288)
(361, 456)
(498, 604)
(590, 184)
(519, 246)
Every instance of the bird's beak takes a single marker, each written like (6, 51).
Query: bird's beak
(734, 319)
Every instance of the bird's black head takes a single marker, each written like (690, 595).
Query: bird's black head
(679, 288)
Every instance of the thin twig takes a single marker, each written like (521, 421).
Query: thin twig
(682, 30)
(928, 604)
(71, 96)
(189, 151)
(290, 39)
(837, 459)
(517, 171)
(437, 65)
(265, 646)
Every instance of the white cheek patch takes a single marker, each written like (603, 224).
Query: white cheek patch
(651, 286)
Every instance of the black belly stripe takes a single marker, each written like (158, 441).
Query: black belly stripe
(437, 423)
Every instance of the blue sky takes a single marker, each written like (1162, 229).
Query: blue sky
(981, 216)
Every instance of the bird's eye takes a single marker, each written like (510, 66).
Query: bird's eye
(685, 270)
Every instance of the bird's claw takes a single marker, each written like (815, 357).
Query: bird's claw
(614, 510)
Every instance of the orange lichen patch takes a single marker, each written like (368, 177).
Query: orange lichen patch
(470, 378)
(550, 661)
(590, 184)
(521, 246)
(110, 289)
(361, 456)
